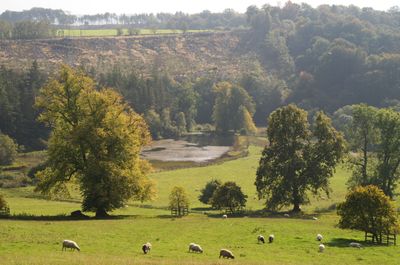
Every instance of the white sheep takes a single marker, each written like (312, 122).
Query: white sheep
(195, 248)
(260, 238)
(315, 218)
(355, 245)
(271, 238)
(319, 237)
(286, 215)
(224, 216)
(226, 254)
(70, 244)
(321, 247)
(146, 248)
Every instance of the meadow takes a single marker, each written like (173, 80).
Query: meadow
(35, 233)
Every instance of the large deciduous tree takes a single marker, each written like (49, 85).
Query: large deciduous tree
(95, 141)
(298, 158)
(368, 209)
(388, 151)
(363, 136)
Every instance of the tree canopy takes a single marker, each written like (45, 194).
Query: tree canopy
(368, 209)
(229, 196)
(207, 192)
(298, 158)
(95, 141)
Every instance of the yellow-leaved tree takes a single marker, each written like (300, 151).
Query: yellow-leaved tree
(95, 140)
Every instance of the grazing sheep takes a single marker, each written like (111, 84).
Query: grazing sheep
(286, 215)
(224, 216)
(195, 248)
(319, 237)
(260, 238)
(321, 247)
(355, 245)
(271, 238)
(146, 248)
(70, 244)
(315, 218)
(226, 254)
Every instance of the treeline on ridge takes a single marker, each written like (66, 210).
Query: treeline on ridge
(318, 58)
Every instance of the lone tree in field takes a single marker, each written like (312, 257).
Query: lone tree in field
(229, 196)
(297, 159)
(95, 142)
(368, 209)
(178, 200)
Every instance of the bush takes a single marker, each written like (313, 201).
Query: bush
(229, 196)
(4, 209)
(368, 209)
(208, 191)
(8, 150)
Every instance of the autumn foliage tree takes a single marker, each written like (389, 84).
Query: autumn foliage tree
(368, 209)
(95, 142)
(298, 158)
(178, 199)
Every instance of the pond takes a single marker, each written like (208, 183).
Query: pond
(195, 148)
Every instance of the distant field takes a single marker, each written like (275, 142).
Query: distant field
(114, 32)
(32, 239)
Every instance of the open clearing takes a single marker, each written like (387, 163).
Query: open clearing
(35, 236)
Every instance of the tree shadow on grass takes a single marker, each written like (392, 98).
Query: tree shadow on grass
(344, 243)
(61, 217)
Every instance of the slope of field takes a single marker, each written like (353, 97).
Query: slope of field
(34, 237)
(180, 54)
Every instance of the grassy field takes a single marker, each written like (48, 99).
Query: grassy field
(114, 32)
(34, 236)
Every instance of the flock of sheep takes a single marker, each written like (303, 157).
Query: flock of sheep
(322, 246)
(193, 247)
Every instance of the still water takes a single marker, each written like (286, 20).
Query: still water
(196, 148)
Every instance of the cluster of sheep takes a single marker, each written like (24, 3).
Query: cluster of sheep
(261, 238)
(322, 246)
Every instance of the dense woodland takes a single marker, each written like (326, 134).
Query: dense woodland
(318, 58)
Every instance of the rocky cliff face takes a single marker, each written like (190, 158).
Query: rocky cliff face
(189, 54)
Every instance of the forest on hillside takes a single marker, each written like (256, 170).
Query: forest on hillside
(318, 58)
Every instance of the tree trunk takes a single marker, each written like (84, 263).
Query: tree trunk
(101, 213)
(296, 207)
(296, 200)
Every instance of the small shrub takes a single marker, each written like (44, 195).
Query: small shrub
(8, 150)
(4, 209)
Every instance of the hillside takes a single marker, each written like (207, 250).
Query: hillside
(179, 54)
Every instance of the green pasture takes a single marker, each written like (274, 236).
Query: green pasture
(34, 234)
